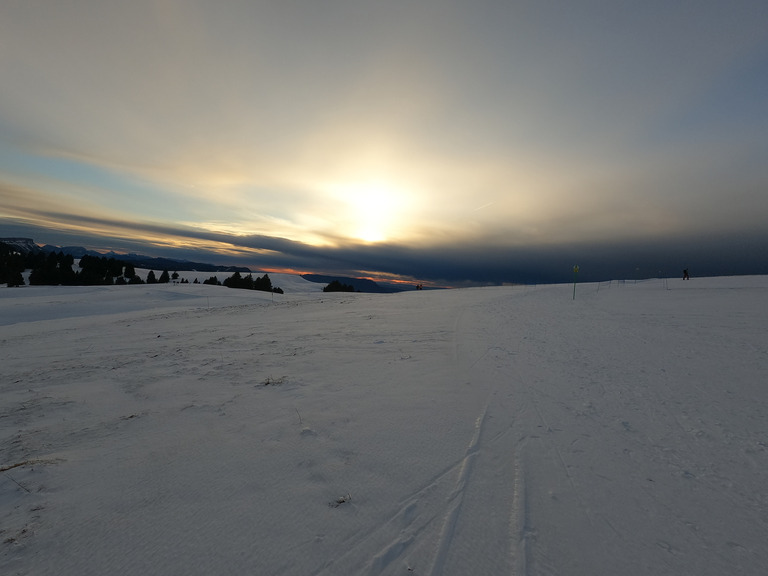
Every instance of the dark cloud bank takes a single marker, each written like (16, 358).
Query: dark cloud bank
(459, 264)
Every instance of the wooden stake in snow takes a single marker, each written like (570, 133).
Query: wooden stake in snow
(575, 271)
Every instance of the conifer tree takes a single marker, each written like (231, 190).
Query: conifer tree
(15, 278)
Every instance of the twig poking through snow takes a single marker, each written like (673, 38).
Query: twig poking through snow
(340, 500)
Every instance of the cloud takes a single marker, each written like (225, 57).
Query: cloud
(456, 264)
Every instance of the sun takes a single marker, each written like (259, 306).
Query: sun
(371, 210)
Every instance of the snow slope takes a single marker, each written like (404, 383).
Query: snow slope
(192, 429)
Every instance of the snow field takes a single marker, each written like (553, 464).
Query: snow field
(195, 429)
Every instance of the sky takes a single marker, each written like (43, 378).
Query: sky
(438, 141)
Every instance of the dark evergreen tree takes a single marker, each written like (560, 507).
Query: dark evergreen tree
(151, 277)
(164, 277)
(14, 278)
(45, 271)
(12, 264)
(249, 283)
(114, 268)
(263, 283)
(337, 286)
(37, 276)
(67, 274)
(233, 281)
(94, 270)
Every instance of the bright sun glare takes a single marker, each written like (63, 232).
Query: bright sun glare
(372, 210)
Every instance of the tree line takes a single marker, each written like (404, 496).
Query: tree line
(58, 269)
(245, 283)
(336, 286)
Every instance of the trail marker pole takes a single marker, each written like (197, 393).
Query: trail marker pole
(575, 272)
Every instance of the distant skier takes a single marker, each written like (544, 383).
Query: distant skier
(685, 275)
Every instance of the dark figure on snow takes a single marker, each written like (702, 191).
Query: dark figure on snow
(685, 275)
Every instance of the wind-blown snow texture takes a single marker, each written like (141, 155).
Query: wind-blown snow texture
(198, 430)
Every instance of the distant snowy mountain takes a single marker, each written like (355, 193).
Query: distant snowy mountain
(75, 251)
(23, 245)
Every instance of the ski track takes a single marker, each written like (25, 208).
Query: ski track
(440, 510)
(490, 470)
(456, 498)
(389, 541)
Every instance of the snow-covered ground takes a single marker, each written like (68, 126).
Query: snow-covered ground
(197, 430)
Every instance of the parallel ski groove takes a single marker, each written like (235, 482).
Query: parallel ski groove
(457, 497)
